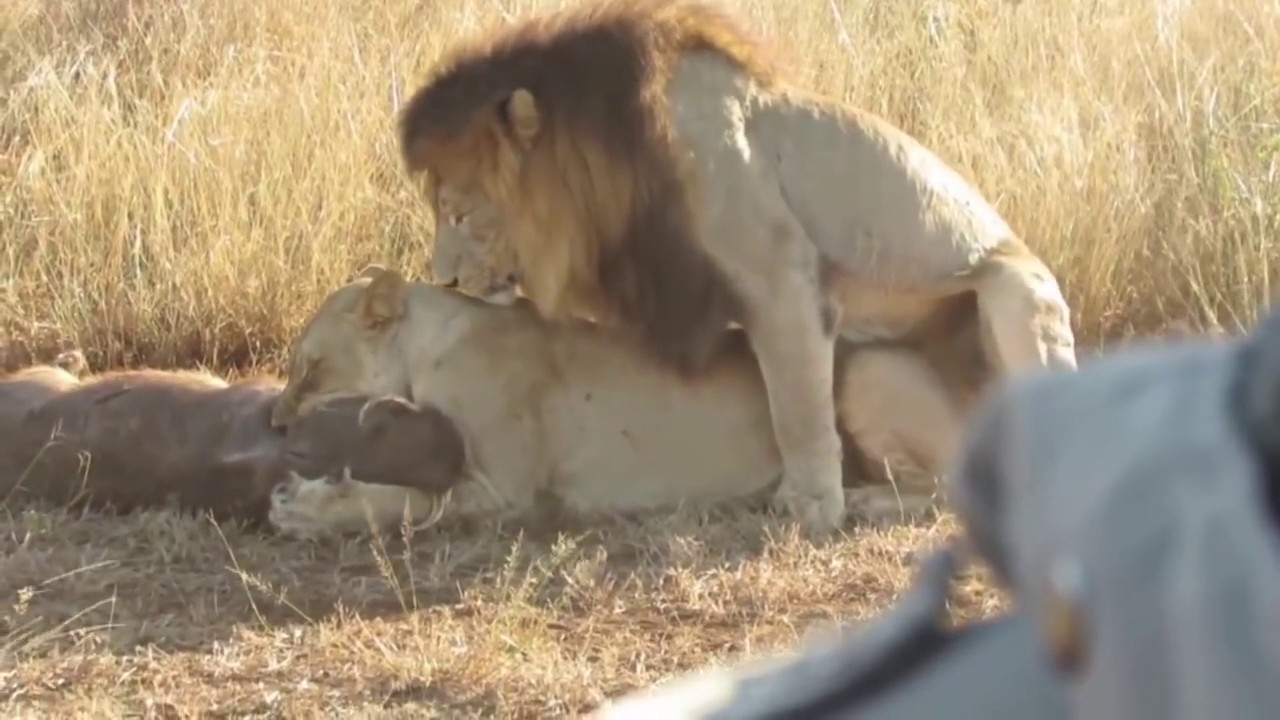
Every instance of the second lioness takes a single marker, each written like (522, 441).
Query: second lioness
(142, 439)
(578, 411)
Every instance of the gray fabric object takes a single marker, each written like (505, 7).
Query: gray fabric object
(903, 666)
(992, 670)
(1134, 473)
(1142, 490)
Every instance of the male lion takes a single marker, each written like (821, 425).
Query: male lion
(574, 413)
(646, 163)
(145, 438)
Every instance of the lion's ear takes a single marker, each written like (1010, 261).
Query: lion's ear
(522, 116)
(383, 299)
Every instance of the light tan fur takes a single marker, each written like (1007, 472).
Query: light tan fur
(574, 416)
(647, 164)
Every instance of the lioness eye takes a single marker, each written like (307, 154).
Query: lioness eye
(457, 219)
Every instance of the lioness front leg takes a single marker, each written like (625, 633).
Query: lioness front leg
(796, 356)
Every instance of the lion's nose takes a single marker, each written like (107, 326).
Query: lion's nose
(452, 284)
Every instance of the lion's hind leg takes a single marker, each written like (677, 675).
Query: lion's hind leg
(1025, 320)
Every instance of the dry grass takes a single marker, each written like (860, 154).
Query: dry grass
(112, 616)
(183, 180)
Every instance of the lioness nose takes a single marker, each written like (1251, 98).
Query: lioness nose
(452, 284)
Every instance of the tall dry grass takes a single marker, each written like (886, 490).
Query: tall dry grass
(183, 180)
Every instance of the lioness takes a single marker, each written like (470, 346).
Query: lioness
(145, 438)
(574, 412)
(654, 168)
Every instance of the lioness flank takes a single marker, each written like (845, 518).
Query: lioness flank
(646, 163)
(574, 416)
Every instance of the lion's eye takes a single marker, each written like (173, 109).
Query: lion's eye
(456, 219)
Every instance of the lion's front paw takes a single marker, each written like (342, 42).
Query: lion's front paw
(819, 512)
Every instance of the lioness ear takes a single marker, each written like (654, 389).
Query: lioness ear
(383, 299)
(522, 116)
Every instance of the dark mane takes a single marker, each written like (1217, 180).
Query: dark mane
(602, 211)
(588, 64)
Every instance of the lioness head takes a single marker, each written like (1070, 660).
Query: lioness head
(348, 345)
(384, 440)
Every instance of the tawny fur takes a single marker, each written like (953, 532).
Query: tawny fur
(149, 438)
(645, 163)
(574, 418)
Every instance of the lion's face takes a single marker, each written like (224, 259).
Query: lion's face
(471, 252)
(347, 347)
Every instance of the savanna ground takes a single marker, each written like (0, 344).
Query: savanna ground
(182, 181)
